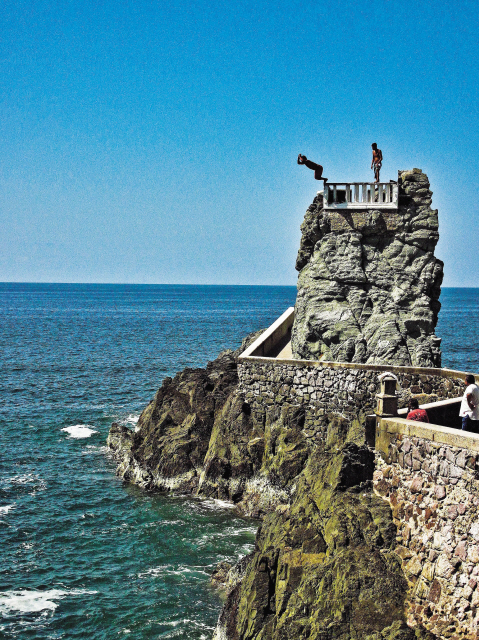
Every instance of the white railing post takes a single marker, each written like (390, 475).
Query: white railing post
(358, 194)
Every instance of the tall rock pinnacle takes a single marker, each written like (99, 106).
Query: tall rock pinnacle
(369, 283)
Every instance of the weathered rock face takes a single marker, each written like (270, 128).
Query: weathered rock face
(369, 283)
(324, 567)
(199, 436)
(325, 564)
(168, 449)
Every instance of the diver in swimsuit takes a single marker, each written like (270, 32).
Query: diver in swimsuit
(317, 168)
(377, 162)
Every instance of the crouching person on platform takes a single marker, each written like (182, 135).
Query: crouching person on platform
(470, 405)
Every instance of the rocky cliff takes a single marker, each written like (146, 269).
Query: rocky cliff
(326, 563)
(369, 283)
(198, 435)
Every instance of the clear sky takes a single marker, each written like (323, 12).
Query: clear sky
(156, 141)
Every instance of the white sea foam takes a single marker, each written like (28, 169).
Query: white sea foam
(34, 601)
(132, 420)
(194, 623)
(214, 503)
(4, 510)
(80, 431)
(229, 533)
(245, 549)
(25, 479)
(182, 625)
(93, 448)
(168, 569)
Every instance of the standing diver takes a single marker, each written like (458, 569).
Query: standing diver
(377, 161)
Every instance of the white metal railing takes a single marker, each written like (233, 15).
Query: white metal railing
(360, 195)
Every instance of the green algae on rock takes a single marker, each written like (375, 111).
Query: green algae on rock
(324, 564)
(199, 436)
(324, 567)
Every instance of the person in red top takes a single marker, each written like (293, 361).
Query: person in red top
(415, 413)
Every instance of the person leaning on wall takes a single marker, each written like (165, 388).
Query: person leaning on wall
(469, 411)
(415, 413)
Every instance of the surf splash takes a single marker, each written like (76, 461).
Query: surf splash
(78, 431)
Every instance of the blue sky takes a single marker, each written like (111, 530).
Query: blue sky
(156, 142)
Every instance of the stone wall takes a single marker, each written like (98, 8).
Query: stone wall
(433, 490)
(348, 390)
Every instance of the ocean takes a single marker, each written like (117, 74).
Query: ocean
(82, 555)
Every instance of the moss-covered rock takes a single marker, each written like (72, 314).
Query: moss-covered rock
(254, 459)
(324, 564)
(325, 567)
(198, 435)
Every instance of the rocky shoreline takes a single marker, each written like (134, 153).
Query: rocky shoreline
(197, 436)
(324, 564)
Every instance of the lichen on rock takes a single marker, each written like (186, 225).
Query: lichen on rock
(369, 283)
(324, 567)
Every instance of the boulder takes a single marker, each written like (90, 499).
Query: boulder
(369, 284)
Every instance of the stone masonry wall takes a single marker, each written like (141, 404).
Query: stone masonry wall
(433, 490)
(337, 389)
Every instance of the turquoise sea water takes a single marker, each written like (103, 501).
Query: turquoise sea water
(81, 554)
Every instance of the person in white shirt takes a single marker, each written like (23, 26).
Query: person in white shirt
(470, 405)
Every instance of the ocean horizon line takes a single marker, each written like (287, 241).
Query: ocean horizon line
(168, 284)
